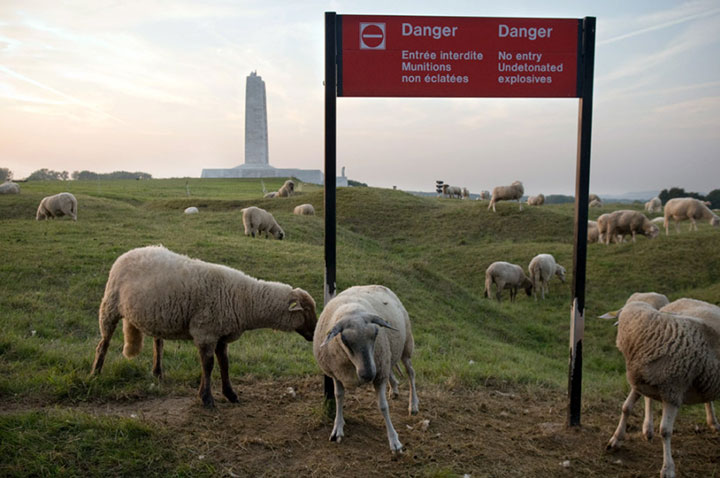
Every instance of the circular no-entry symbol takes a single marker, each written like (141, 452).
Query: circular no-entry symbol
(372, 36)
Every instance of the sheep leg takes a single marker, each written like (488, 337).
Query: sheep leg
(394, 386)
(207, 360)
(693, 224)
(157, 357)
(395, 445)
(108, 323)
(337, 432)
(712, 420)
(647, 427)
(500, 285)
(633, 236)
(666, 428)
(627, 407)
(520, 203)
(413, 406)
(222, 358)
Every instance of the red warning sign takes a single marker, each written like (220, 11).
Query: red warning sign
(458, 56)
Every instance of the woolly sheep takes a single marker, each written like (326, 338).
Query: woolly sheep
(374, 334)
(507, 193)
(541, 269)
(654, 205)
(62, 204)
(9, 187)
(593, 234)
(594, 197)
(257, 221)
(626, 221)
(658, 220)
(287, 189)
(671, 355)
(170, 296)
(270, 195)
(538, 200)
(191, 210)
(304, 210)
(506, 276)
(452, 191)
(595, 203)
(680, 209)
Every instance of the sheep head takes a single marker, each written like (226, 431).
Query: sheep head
(560, 272)
(301, 307)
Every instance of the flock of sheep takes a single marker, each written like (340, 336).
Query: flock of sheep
(671, 350)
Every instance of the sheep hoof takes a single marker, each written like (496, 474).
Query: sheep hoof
(613, 444)
(648, 436)
(336, 438)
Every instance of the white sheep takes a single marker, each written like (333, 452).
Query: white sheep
(593, 233)
(658, 220)
(257, 221)
(170, 296)
(594, 197)
(304, 210)
(538, 200)
(541, 269)
(191, 210)
(287, 189)
(270, 195)
(361, 335)
(9, 187)
(595, 203)
(452, 191)
(61, 204)
(654, 205)
(626, 221)
(507, 193)
(506, 276)
(671, 355)
(680, 209)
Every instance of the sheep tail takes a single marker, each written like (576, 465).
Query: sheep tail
(133, 340)
(488, 284)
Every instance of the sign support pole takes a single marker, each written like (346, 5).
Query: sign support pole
(330, 171)
(582, 186)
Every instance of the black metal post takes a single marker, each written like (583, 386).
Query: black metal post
(330, 166)
(582, 186)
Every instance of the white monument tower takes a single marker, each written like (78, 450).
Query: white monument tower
(256, 130)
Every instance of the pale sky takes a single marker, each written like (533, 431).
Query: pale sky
(159, 87)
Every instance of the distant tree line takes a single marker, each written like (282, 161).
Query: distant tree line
(5, 175)
(558, 199)
(84, 175)
(713, 196)
(356, 183)
(46, 174)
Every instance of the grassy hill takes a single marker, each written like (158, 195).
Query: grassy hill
(431, 252)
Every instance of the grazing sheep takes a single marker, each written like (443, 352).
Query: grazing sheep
(680, 209)
(170, 296)
(541, 269)
(671, 355)
(270, 195)
(507, 193)
(257, 221)
(287, 189)
(595, 203)
(374, 334)
(594, 197)
(538, 200)
(506, 276)
(9, 187)
(304, 210)
(626, 221)
(191, 210)
(658, 220)
(593, 234)
(654, 205)
(452, 191)
(62, 204)
(465, 193)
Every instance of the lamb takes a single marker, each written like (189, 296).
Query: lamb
(191, 210)
(62, 204)
(626, 221)
(304, 209)
(452, 191)
(538, 200)
(375, 333)
(654, 205)
(170, 296)
(287, 189)
(680, 209)
(671, 355)
(541, 269)
(507, 193)
(9, 187)
(506, 276)
(257, 221)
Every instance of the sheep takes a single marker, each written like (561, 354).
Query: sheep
(541, 269)
(595, 203)
(257, 221)
(451, 191)
(465, 193)
(304, 209)
(654, 205)
(538, 200)
(270, 195)
(191, 210)
(593, 234)
(626, 221)
(658, 220)
(170, 296)
(506, 276)
(680, 209)
(594, 197)
(62, 204)
(671, 355)
(287, 189)
(374, 334)
(507, 193)
(9, 187)
(485, 195)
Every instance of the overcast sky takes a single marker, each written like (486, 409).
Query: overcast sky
(159, 87)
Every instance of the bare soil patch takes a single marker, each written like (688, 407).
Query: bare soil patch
(279, 429)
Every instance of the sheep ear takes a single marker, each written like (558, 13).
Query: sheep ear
(613, 314)
(331, 335)
(294, 306)
(374, 319)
